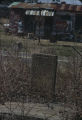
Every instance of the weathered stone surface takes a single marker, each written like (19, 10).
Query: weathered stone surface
(44, 74)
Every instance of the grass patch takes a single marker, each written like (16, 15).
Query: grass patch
(59, 48)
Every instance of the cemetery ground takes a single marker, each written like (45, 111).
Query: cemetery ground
(59, 48)
(15, 75)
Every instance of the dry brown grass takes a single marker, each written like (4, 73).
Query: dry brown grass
(14, 81)
(69, 82)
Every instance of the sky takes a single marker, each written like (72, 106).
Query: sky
(76, 2)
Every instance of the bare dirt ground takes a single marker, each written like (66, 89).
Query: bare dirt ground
(36, 110)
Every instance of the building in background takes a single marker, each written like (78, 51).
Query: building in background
(45, 20)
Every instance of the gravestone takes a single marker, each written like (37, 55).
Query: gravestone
(44, 68)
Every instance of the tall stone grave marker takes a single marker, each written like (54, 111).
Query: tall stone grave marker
(44, 68)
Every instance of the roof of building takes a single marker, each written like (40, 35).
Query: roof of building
(57, 7)
(14, 4)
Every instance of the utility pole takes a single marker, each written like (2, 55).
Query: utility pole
(39, 25)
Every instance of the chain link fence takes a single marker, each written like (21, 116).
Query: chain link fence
(32, 73)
